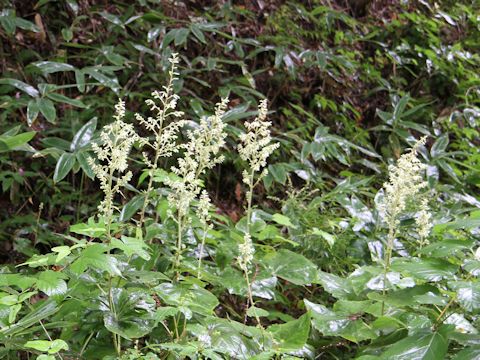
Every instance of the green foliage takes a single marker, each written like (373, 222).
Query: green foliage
(351, 85)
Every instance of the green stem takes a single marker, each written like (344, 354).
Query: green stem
(388, 257)
(202, 246)
(179, 245)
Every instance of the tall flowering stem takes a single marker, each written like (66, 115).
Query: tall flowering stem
(112, 153)
(255, 147)
(406, 180)
(203, 215)
(165, 126)
(201, 152)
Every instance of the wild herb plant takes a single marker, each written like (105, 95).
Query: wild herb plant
(349, 86)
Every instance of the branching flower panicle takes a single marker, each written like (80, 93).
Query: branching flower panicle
(201, 152)
(406, 180)
(112, 152)
(256, 146)
(423, 221)
(165, 125)
(245, 252)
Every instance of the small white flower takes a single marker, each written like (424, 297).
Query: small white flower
(246, 251)
(256, 146)
(423, 220)
(167, 121)
(112, 153)
(200, 153)
(406, 179)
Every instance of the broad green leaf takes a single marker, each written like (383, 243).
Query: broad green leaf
(255, 311)
(440, 145)
(132, 246)
(28, 89)
(446, 247)
(427, 269)
(66, 100)
(424, 345)
(40, 345)
(198, 33)
(32, 112)
(131, 208)
(469, 353)
(80, 80)
(468, 294)
(291, 336)
(52, 282)
(48, 67)
(283, 220)
(52, 347)
(26, 25)
(331, 323)
(329, 238)
(129, 313)
(63, 167)
(16, 141)
(82, 158)
(84, 135)
(94, 256)
(91, 228)
(291, 266)
(45, 357)
(47, 108)
(233, 339)
(334, 284)
(188, 298)
(63, 252)
(17, 280)
(41, 311)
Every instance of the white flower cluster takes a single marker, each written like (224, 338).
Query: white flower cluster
(163, 104)
(423, 221)
(255, 146)
(201, 152)
(405, 182)
(246, 251)
(112, 152)
(203, 209)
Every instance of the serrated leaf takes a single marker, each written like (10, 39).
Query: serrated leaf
(132, 246)
(425, 345)
(52, 347)
(291, 266)
(188, 298)
(52, 283)
(283, 220)
(129, 313)
(291, 336)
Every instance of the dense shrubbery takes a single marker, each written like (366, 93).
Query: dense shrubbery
(341, 222)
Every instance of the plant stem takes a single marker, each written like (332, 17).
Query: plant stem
(202, 246)
(179, 245)
(388, 257)
(251, 185)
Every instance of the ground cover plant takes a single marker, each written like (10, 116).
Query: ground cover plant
(239, 180)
